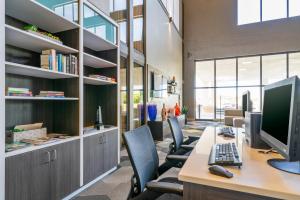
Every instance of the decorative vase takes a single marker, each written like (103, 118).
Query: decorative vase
(177, 110)
(152, 112)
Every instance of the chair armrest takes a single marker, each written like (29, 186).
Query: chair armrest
(177, 158)
(164, 187)
(187, 147)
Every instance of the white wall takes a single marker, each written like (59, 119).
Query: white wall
(164, 44)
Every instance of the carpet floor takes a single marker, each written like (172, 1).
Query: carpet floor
(116, 185)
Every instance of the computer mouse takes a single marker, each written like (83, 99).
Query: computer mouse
(220, 171)
(230, 135)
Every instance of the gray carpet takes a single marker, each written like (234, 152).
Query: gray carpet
(116, 185)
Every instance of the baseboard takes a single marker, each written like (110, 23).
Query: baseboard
(84, 187)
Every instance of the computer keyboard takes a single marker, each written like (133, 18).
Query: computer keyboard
(225, 155)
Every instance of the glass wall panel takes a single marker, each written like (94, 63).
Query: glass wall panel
(226, 72)
(274, 9)
(249, 71)
(254, 97)
(205, 100)
(205, 74)
(138, 95)
(294, 8)
(123, 94)
(64, 8)
(98, 25)
(119, 5)
(248, 11)
(294, 64)
(225, 99)
(273, 68)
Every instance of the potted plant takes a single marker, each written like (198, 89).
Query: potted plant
(185, 110)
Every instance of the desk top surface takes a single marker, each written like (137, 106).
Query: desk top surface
(255, 176)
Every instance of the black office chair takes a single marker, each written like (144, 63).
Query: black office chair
(180, 146)
(145, 183)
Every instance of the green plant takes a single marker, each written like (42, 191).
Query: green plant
(184, 110)
(31, 27)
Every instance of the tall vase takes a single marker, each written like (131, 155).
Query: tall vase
(152, 112)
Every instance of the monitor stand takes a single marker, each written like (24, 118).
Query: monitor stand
(284, 165)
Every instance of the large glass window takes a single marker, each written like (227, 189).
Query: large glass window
(205, 74)
(218, 90)
(294, 8)
(274, 9)
(123, 94)
(173, 8)
(249, 71)
(225, 99)
(273, 68)
(294, 64)
(138, 95)
(226, 72)
(205, 103)
(248, 11)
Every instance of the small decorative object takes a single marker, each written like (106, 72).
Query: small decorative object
(177, 110)
(171, 112)
(34, 30)
(163, 113)
(172, 86)
(185, 110)
(152, 112)
(99, 123)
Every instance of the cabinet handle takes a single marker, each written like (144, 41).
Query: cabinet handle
(47, 160)
(54, 155)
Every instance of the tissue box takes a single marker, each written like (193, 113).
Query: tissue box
(30, 134)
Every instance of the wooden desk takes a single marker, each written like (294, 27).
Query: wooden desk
(255, 180)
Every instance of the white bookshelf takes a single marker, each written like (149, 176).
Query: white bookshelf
(95, 62)
(26, 70)
(33, 12)
(95, 81)
(26, 40)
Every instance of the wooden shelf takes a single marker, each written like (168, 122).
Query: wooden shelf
(96, 43)
(36, 147)
(26, 70)
(95, 62)
(95, 81)
(23, 39)
(41, 98)
(35, 13)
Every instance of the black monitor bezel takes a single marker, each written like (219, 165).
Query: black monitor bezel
(283, 149)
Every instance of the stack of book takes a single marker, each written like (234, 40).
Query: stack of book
(51, 94)
(23, 92)
(58, 62)
(101, 77)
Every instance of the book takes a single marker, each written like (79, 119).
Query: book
(45, 61)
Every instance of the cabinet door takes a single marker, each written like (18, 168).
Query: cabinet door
(92, 157)
(110, 149)
(18, 177)
(40, 185)
(65, 169)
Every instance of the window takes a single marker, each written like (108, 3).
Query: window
(273, 68)
(294, 8)
(205, 108)
(216, 87)
(138, 2)
(173, 8)
(205, 74)
(274, 9)
(251, 11)
(294, 64)
(226, 72)
(119, 5)
(123, 31)
(248, 11)
(138, 29)
(249, 71)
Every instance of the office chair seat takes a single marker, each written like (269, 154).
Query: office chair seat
(146, 183)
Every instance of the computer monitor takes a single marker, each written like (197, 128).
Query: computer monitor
(246, 102)
(279, 127)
